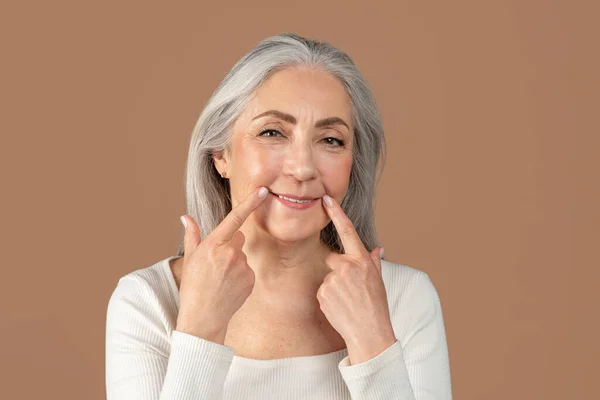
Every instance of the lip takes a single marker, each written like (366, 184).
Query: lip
(296, 206)
(291, 196)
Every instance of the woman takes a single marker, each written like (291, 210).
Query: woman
(278, 289)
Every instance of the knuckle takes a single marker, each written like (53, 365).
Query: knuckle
(229, 255)
(345, 270)
(346, 264)
(239, 238)
(211, 252)
(251, 277)
(366, 265)
(328, 281)
(332, 259)
(321, 293)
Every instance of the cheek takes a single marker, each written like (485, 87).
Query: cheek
(258, 165)
(336, 176)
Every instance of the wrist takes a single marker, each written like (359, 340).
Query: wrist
(364, 351)
(216, 335)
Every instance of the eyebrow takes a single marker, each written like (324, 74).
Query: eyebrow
(290, 118)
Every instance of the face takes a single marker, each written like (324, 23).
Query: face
(295, 137)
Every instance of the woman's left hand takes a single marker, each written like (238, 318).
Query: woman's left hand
(353, 296)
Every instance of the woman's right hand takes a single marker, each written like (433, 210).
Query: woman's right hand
(215, 279)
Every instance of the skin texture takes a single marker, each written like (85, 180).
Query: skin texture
(267, 257)
(353, 296)
(216, 279)
(282, 245)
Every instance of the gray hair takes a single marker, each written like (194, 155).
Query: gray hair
(208, 194)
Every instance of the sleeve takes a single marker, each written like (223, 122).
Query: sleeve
(417, 370)
(139, 365)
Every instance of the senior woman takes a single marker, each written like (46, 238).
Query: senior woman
(278, 290)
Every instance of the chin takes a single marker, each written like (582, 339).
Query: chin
(293, 230)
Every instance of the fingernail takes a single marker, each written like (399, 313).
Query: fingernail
(183, 221)
(263, 192)
(327, 200)
(381, 252)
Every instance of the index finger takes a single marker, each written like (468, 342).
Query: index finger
(345, 228)
(236, 217)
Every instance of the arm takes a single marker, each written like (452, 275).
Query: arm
(415, 367)
(144, 363)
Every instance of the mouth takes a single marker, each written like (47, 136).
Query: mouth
(295, 199)
(296, 202)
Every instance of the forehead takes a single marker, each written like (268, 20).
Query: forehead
(301, 91)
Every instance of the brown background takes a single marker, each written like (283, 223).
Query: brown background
(491, 185)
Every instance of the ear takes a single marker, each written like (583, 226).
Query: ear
(220, 160)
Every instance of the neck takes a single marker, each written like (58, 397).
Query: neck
(280, 266)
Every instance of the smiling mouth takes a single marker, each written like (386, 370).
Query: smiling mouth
(294, 199)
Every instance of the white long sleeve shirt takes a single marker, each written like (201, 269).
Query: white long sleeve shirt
(147, 359)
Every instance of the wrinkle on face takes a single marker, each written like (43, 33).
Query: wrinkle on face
(295, 158)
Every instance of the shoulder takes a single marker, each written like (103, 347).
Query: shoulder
(402, 280)
(412, 297)
(144, 294)
(148, 281)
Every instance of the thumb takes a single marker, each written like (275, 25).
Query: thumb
(376, 255)
(191, 240)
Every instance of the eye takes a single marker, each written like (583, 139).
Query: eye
(334, 142)
(330, 141)
(269, 130)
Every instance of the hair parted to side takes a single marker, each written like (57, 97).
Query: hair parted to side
(207, 193)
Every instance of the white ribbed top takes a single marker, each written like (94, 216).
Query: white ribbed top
(146, 358)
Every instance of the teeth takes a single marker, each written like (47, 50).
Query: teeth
(294, 200)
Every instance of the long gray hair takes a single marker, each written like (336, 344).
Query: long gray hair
(208, 194)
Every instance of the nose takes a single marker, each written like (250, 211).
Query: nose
(299, 161)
